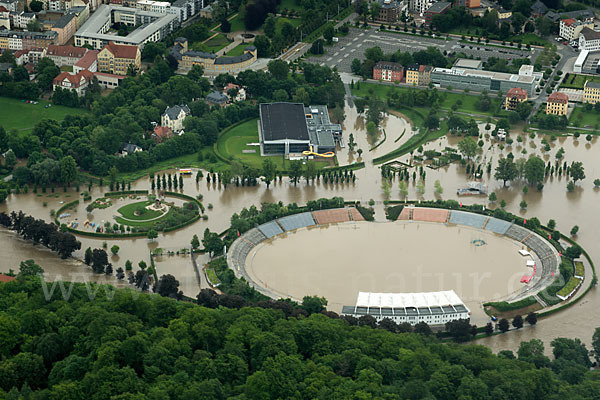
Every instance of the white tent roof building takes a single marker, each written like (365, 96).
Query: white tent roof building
(434, 308)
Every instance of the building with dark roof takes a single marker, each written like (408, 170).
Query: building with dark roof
(583, 15)
(288, 128)
(589, 39)
(388, 71)
(212, 64)
(173, 117)
(129, 148)
(217, 98)
(538, 9)
(441, 7)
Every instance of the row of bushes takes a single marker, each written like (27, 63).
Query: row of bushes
(393, 212)
(367, 213)
(504, 306)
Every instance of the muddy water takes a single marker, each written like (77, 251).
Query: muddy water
(568, 209)
(383, 260)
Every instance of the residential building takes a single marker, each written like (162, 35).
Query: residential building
(388, 71)
(479, 80)
(469, 3)
(538, 9)
(412, 74)
(557, 104)
(173, 117)
(162, 134)
(570, 29)
(441, 7)
(514, 97)
(17, 40)
(4, 18)
(291, 128)
(21, 19)
(212, 64)
(418, 6)
(88, 62)
(116, 58)
(12, 5)
(161, 7)
(6, 278)
(425, 74)
(502, 13)
(23, 57)
(151, 27)
(433, 308)
(129, 148)
(206, 12)
(217, 98)
(65, 55)
(591, 92)
(240, 91)
(77, 82)
(589, 39)
(389, 11)
(581, 15)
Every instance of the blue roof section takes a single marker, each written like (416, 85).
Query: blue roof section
(296, 221)
(497, 225)
(270, 229)
(468, 219)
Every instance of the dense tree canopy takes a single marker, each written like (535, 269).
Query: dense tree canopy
(118, 345)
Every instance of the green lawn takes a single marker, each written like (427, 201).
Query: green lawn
(576, 81)
(530, 38)
(579, 270)
(213, 45)
(128, 211)
(291, 5)
(468, 100)
(238, 50)
(568, 288)
(15, 114)
(237, 23)
(144, 223)
(580, 117)
(282, 20)
(233, 141)
(212, 276)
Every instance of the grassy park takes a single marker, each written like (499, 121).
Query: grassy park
(238, 50)
(15, 114)
(581, 118)
(212, 45)
(132, 211)
(576, 81)
(237, 22)
(291, 5)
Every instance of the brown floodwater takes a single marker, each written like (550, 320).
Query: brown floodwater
(568, 209)
(383, 259)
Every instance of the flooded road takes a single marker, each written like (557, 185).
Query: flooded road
(383, 259)
(579, 207)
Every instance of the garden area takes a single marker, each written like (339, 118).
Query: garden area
(238, 50)
(576, 81)
(585, 118)
(213, 44)
(17, 114)
(139, 211)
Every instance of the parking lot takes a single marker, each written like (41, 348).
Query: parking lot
(354, 44)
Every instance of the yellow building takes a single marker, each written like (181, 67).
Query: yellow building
(514, 97)
(210, 62)
(558, 104)
(412, 74)
(116, 58)
(591, 92)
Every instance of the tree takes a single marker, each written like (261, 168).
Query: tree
(36, 6)
(30, 268)
(68, 169)
(99, 260)
(295, 171)
(531, 318)
(506, 170)
(574, 230)
(10, 159)
(517, 322)
(489, 328)
(88, 256)
(34, 25)
(310, 172)
(596, 344)
(225, 26)
(503, 325)
(535, 170)
(269, 171)
(152, 234)
(468, 147)
(459, 329)
(279, 69)
(269, 26)
(313, 304)
(142, 280)
(492, 197)
(523, 204)
(212, 242)
(167, 286)
(328, 33)
(423, 328)
(195, 242)
(355, 66)
(576, 171)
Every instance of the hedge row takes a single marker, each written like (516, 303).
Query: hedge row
(124, 193)
(503, 306)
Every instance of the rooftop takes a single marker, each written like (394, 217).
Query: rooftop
(592, 84)
(438, 7)
(555, 17)
(122, 50)
(539, 7)
(88, 60)
(66, 51)
(502, 76)
(388, 65)
(468, 63)
(590, 34)
(558, 97)
(281, 121)
(517, 92)
(173, 112)
(64, 20)
(217, 97)
(6, 278)
(408, 300)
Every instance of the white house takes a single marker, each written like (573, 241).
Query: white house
(77, 82)
(570, 29)
(173, 117)
(589, 39)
